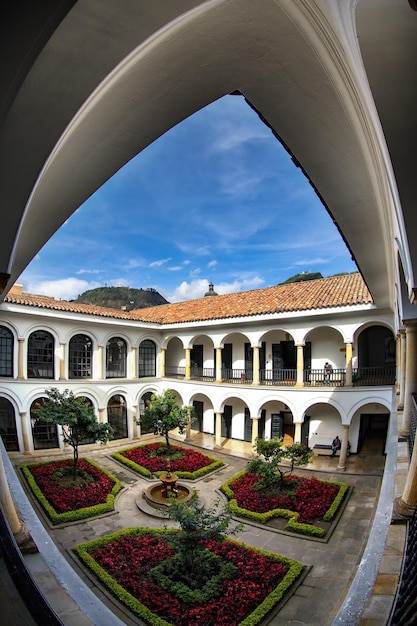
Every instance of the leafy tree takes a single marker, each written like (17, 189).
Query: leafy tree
(298, 278)
(198, 524)
(269, 456)
(163, 414)
(76, 416)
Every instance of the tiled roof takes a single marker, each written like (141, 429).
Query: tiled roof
(324, 293)
(16, 296)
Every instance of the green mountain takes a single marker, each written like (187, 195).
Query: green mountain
(122, 298)
(298, 278)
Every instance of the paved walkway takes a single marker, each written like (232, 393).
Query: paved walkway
(332, 563)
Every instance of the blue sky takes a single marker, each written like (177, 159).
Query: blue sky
(216, 199)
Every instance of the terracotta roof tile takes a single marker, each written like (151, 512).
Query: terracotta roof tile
(324, 293)
(336, 291)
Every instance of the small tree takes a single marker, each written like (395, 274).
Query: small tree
(270, 454)
(198, 524)
(163, 414)
(76, 416)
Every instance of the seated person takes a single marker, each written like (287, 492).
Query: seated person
(336, 445)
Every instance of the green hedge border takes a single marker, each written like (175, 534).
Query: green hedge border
(295, 569)
(77, 514)
(293, 525)
(140, 469)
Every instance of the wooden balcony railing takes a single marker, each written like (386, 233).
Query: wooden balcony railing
(203, 373)
(361, 376)
(372, 376)
(335, 378)
(284, 377)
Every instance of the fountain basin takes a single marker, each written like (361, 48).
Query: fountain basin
(157, 496)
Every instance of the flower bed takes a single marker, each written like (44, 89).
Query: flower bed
(65, 500)
(310, 501)
(185, 462)
(125, 562)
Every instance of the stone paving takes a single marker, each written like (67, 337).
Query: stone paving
(331, 564)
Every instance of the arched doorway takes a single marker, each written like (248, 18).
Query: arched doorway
(8, 430)
(117, 416)
(44, 435)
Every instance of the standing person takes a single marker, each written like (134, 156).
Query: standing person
(336, 445)
(327, 371)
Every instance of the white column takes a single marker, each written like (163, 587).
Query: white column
(297, 432)
(25, 433)
(218, 365)
(187, 363)
(255, 430)
(218, 429)
(7, 503)
(348, 364)
(133, 363)
(101, 364)
(300, 366)
(344, 448)
(406, 504)
(62, 375)
(410, 374)
(21, 375)
(162, 366)
(136, 427)
(403, 367)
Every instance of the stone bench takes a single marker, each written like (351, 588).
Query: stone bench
(324, 449)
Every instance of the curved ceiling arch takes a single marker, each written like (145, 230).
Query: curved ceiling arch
(290, 64)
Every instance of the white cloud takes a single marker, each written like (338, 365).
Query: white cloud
(89, 271)
(159, 263)
(231, 136)
(197, 288)
(63, 289)
(212, 264)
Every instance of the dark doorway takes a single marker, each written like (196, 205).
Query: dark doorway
(198, 415)
(226, 431)
(373, 432)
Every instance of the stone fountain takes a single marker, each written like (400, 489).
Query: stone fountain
(158, 496)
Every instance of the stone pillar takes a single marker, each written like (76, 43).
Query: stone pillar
(162, 365)
(102, 416)
(188, 430)
(300, 366)
(410, 374)
(297, 432)
(398, 363)
(21, 375)
(406, 504)
(348, 364)
(187, 363)
(7, 503)
(101, 364)
(403, 367)
(255, 374)
(134, 363)
(25, 433)
(136, 427)
(344, 448)
(218, 429)
(62, 361)
(255, 430)
(218, 365)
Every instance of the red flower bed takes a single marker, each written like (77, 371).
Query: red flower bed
(130, 559)
(311, 500)
(146, 456)
(94, 489)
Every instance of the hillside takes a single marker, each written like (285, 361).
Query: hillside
(120, 297)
